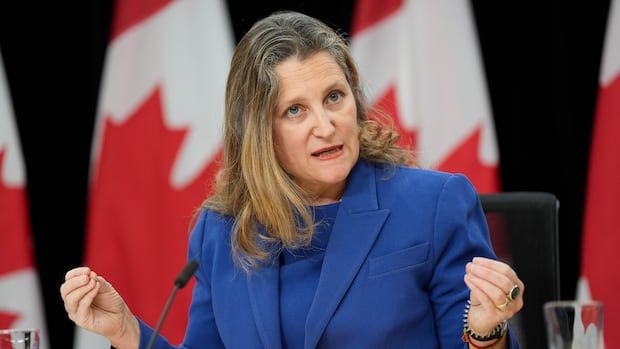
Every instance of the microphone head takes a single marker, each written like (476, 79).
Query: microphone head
(185, 274)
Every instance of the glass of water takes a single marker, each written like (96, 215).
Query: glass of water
(574, 324)
(19, 338)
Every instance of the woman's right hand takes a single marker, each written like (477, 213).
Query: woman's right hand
(93, 304)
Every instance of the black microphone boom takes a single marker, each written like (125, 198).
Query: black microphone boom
(185, 274)
(182, 279)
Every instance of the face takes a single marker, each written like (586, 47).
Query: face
(315, 126)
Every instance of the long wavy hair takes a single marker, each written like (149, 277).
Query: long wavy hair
(270, 211)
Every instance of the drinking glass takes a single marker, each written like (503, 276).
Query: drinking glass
(19, 338)
(574, 324)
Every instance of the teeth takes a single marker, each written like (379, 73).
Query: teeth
(327, 152)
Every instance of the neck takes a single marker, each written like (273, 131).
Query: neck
(322, 194)
(330, 196)
(324, 201)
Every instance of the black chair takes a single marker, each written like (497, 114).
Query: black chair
(524, 234)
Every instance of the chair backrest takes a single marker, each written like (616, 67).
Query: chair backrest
(524, 234)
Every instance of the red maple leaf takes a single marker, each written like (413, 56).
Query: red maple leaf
(138, 223)
(15, 246)
(388, 104)
(590, 316)
(7, 319)
(464, 159)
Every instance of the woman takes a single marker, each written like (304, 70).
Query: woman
(318, 235)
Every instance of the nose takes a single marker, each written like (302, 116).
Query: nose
(324, 126)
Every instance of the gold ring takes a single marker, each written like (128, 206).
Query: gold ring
(503, 305)
(514, 292)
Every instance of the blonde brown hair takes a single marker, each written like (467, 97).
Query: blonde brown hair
(270, 211)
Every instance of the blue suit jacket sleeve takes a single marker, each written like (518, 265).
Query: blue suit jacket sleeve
(460, 233)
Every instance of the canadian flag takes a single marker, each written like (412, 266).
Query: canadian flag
(20, 298)
(419, 61)
(600, 275)
(156, 142)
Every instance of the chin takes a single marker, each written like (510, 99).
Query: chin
(337, 176)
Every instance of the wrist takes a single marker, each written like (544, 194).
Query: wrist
(129, 335)
(482, 339)
(493, 334)
(494, 344)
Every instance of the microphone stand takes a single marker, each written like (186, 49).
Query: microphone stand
(187, 272)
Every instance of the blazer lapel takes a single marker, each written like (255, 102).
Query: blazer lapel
(355, 230)
(265, 301)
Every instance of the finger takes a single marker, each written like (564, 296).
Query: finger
(519, 300)
(513, 306)
(74, 298)
(85, 302)
(474, 299)
(494, 314)
(75, 292)
(504, 269)
(105, 285)
(476, 295)
(77, 271)
(521, 286)
(498, 279)
(498, 266)
(72, 284)
(494, 293)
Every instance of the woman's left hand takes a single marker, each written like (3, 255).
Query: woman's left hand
(496, 293)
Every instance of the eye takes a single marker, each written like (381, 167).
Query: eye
(293, 111)
(334, 96)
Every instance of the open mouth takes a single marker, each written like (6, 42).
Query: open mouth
(324, 152)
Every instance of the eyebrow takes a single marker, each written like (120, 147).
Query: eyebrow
(337, 84)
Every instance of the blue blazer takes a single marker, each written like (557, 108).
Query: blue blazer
(392, 275)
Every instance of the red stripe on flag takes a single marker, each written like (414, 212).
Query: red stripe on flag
(368, 12)
(15, 245)
(127, 13)
(602, 214)
(465, 159)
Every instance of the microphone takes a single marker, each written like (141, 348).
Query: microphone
(180, 282)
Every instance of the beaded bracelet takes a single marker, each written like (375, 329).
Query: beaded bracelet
(471, 344)
(497, 332)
